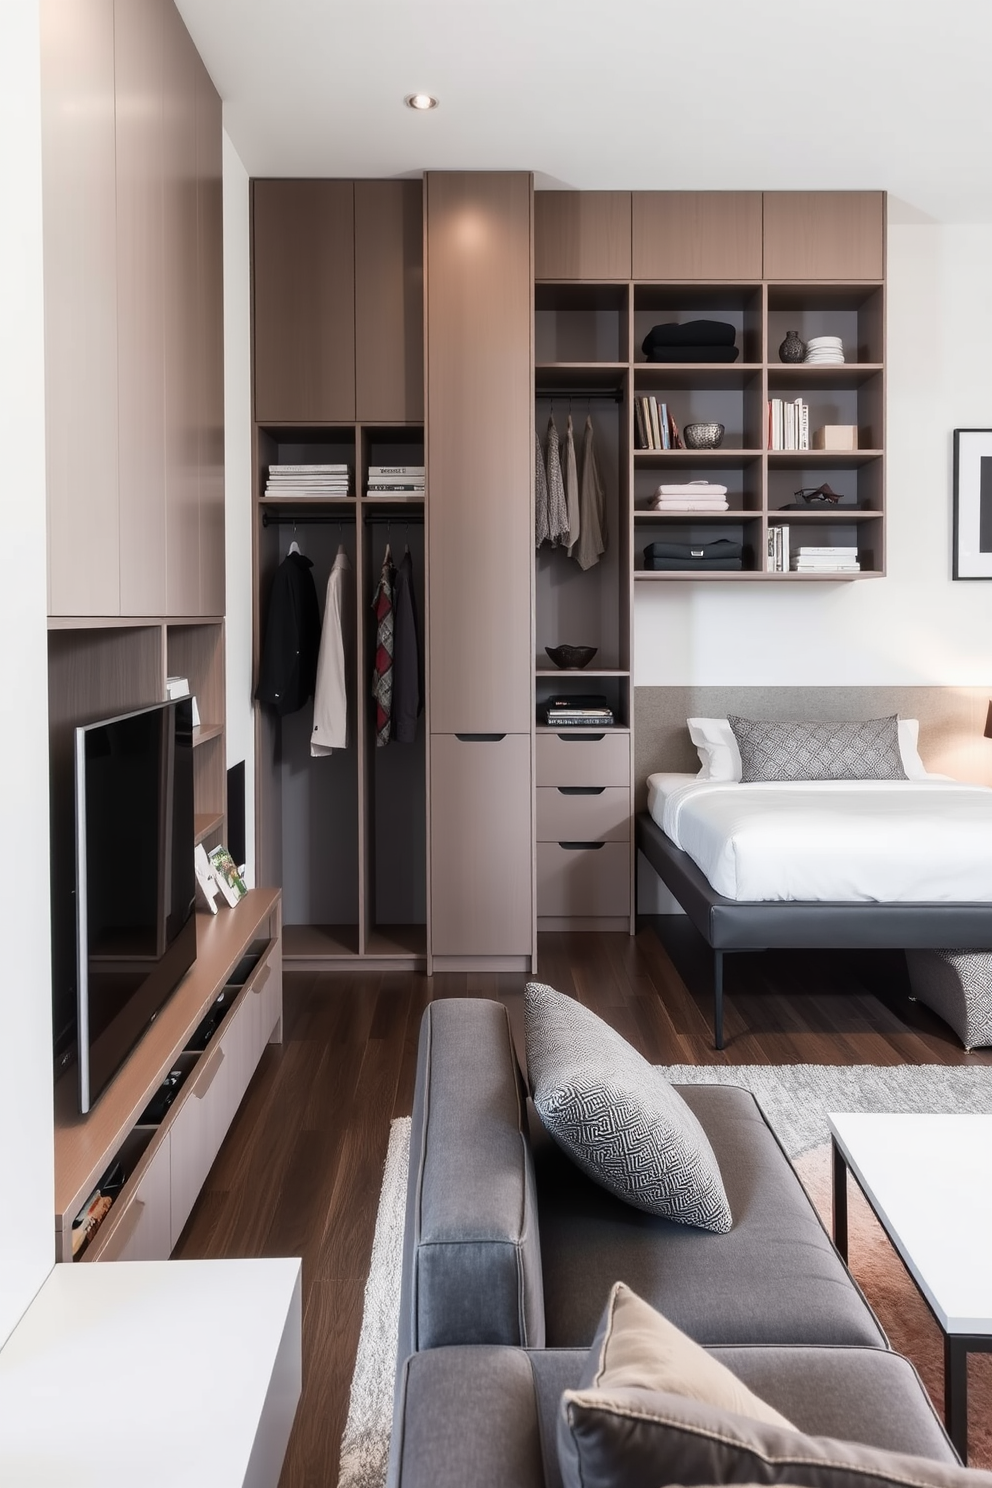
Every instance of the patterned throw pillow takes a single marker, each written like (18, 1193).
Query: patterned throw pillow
(819, 751)
(616, 1117)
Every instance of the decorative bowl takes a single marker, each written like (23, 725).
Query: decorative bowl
(703, 436)
(571, 658)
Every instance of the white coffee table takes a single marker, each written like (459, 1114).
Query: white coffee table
(929, 1181)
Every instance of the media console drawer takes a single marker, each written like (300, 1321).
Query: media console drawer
(583, 759)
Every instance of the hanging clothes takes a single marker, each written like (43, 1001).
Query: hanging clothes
(571, 488)
(557, 505)
(541, 530)
(592, 506)
(382, 672)
(408, 659)
(331, 721)
(288, 669)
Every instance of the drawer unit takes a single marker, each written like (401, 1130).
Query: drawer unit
(586, 880)
(583, 759)
(138, 1228)
(587, 813)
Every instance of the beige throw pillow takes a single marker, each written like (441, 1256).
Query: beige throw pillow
(636, 1347)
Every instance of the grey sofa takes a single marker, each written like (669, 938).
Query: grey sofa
(510, 1254)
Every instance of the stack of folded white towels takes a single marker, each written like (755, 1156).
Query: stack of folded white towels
(691, 496)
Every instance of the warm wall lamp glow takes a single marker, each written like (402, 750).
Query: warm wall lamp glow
(421, 101)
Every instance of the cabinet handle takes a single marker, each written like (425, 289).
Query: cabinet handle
(581, 790)
(572, 738)
(582, 846)
(207, 1079)
(125, 1229)
(480, 738)
(262, 978)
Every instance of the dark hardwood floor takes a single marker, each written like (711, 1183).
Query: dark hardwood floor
(300, 1171)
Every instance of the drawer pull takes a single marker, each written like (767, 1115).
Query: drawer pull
(209, 1075)
(262, 978)
(581, 846)
(122, 1234)
(572, 738)
(581, 790)
(480, 738)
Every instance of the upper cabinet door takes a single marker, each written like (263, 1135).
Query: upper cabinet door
(80, 248)
(303, 269)
(389, 301)
(210, 330)
(480, 450)
(696, 234)
(824, 235)
(582, 235)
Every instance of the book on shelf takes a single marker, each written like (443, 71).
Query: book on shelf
(788, 424)
(309, 469)
(640, 429)
(225, 871)
(778, 549)
(587, 710)
(826, 565)
(395, 471)
(675, 438)
(579, 720)
(655, 425)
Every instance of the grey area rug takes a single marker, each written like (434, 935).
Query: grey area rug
(794, 1097)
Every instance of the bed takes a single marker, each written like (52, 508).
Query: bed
(846, 864)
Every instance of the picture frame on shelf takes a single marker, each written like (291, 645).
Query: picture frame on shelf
(972, 504)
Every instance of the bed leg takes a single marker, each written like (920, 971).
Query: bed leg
(718, 999)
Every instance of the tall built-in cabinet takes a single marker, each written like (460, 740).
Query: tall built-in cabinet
(135, 468)
(609, 266)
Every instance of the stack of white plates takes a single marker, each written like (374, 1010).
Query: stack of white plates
(824, 350)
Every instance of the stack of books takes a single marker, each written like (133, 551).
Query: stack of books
(654, 426)
(778, 549)
(304, 481)
(397, 480)
(825, 560)
(788, 424)
(581, 710)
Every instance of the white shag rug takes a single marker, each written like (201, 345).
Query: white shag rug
(794, 1097)
(365, 1443)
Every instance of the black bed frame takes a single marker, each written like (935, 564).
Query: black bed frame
(760, 925)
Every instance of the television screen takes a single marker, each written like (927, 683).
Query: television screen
(135, 880)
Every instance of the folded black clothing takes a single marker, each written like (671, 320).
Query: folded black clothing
(686, 565)
(692, 354)
(690, 333)
(721, 548)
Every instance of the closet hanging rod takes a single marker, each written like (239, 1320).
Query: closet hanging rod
(394, 519)
(581, 395)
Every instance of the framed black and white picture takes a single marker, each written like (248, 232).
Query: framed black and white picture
(973, 503)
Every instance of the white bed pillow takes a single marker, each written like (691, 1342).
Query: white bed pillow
(721, 759)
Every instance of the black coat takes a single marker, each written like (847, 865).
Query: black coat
(288, 669)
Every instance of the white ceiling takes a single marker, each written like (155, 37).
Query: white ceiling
(891, 94)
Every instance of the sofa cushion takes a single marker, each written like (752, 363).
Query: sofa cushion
(472, 1256)
(635, 1346)
(775, 1278)
(631, 1438)
(489, 1416)
(616, 1116)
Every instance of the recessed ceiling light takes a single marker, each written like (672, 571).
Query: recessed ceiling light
(421, 101)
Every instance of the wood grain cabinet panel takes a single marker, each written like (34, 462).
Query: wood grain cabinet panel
(696, 234)
(182, 451)
(582, 234)
(389, 301)
(80, 252)
(303, 254)
(481, 846)
(210, 332)
(141, 306)
(578, 880)
(824, 234)
(480, 450)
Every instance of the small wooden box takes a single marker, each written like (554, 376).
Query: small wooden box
(836, 437)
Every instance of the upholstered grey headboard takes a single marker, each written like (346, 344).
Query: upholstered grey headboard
(952, 721)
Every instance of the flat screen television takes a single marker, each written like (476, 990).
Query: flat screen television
(134, 880)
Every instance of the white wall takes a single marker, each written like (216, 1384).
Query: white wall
(917, 625)
(27, 1238)
(237, 468)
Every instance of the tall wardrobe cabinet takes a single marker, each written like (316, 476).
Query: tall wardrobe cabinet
(479, 316)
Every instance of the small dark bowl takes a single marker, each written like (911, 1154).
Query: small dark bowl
(571, 658)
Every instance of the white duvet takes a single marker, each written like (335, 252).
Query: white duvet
(889, 841)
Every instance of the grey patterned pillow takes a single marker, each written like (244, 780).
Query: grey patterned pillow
(616, 1117)
(819, 751)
